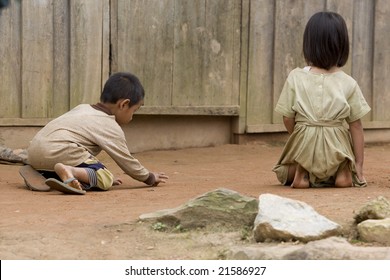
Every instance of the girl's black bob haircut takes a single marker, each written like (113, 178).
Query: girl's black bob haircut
(325, 41)
(122, 85)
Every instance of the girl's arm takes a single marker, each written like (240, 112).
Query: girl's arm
(356, 130)
(289, 123)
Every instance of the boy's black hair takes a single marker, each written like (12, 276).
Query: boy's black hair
(122, 85)
(325, 41)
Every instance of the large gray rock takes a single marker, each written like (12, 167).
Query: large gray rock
(332, 248)
(261, 251)
(284, 219)
(375, 231)
(337, 248)
(220, 207)
(378, 208)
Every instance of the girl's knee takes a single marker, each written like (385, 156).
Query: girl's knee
(344, 182)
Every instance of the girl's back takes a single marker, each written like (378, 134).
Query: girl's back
(315, 97)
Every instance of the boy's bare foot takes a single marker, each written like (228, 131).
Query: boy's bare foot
(301, 179)
(344, 178)
(65, 172)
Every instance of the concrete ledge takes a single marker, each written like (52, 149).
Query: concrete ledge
(148, 132)
(177, 132)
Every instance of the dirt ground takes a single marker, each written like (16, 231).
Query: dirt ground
(103, 225)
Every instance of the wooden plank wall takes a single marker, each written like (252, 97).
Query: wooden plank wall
(54, 55)
(194, 57)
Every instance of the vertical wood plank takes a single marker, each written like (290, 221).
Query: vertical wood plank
(206, 38)
(114, 42)
(345, 9)
(260, 63)
(291, 18)
(240, 7)
(37, 58)
(106, 11)
(190, 59)
(239, 124)
(61, 48)
(10, 57)
(222, 24)
(362, 48)
(145, 46)
(86, 51)
(381, 71)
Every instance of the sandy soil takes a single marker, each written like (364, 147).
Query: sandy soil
(103, 225)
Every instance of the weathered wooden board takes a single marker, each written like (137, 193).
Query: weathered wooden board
(344, 8)
(239, 124)
(145, 46)
(381, 71)
(86, 50)
(260, 63)
(105, 56)
(363, 47)
(206, 52)
(10, 61)
(37, 58)
(61, 55)
(290, 21)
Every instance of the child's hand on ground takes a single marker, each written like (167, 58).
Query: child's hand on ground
(160, 178)
(117, 181)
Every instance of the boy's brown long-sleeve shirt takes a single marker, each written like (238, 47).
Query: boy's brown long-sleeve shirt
(73, 137)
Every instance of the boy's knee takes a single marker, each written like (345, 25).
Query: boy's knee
(105, 179)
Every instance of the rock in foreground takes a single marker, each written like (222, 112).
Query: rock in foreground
(284, 219)
(221, 207)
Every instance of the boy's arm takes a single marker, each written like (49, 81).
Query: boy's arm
(289, 123)
(118, 151)
(111, 139)
(357, 135)
(114, 144)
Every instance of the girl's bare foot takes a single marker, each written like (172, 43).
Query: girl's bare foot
(301, 179)
(65, 172)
